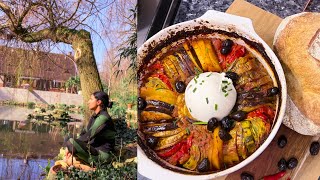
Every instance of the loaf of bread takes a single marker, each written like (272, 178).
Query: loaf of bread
(297, 45)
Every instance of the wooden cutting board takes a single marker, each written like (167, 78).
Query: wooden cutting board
(265, 24)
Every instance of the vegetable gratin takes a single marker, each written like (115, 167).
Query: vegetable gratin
(206, 102)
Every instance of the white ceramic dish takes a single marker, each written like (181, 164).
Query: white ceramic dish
(230, 23)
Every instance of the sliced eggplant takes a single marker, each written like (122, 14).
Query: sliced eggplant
(192, 54)
(159, 127)
(183, 64)
(167, 133)
(160, 103)
(158, 109)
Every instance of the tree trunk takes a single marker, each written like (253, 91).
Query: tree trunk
(82, 45)
(87, 68)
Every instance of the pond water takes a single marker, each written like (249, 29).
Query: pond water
(27, 146)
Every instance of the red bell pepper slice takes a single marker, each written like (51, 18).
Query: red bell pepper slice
(182, 146)
(164, 79)
(170, 151)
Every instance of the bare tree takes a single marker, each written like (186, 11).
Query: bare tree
(40, 21)
(122, 21)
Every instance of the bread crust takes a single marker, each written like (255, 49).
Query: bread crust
(302, 71)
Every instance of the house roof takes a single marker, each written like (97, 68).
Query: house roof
(35, 64)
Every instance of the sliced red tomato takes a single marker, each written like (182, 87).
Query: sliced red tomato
(266, 113)
(164, 78)
(226, 60)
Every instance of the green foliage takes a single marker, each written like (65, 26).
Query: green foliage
(117, 110)
(73, 81)
(121, 96)
(124, 134)
(127, 172)
(31, 105)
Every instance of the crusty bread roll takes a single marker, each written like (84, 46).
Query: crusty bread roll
(297, 45)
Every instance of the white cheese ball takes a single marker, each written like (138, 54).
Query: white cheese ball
(210, 94)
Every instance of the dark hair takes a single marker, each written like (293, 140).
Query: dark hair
(100, 95)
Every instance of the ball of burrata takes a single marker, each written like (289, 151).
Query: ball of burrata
(210, 94)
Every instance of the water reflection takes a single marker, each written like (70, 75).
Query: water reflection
(12, 169)
(26, 145)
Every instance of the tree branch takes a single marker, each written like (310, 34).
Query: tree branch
(73, 14)
(25, 12)
(8, 12)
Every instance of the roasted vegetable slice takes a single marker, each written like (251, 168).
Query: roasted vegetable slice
(160, 103)
(170, 151)
(164, 79)
(155, 127)
(192, 55)
(164, 95)
(206, 55)
(173, 60)
(241, 148)
(153, 116)
(247, 136)
(259, 130)
(167, 133)
(230, 154)
(192, 162)
(216, 151)
(169, 141)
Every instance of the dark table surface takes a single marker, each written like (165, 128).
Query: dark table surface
(191, 9)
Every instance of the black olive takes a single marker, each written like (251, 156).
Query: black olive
(292, 163)
(272, 91)
(314, 148)
(227, 123)
(227, 43)
(282, 164)
(224, 135)
(212, 124)
(204, 165)
(152, 141)
(180, 86)
(233, 76)
(282, 141)
(239, 115)
(225, 50)
(246, 176)
(141, 103)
